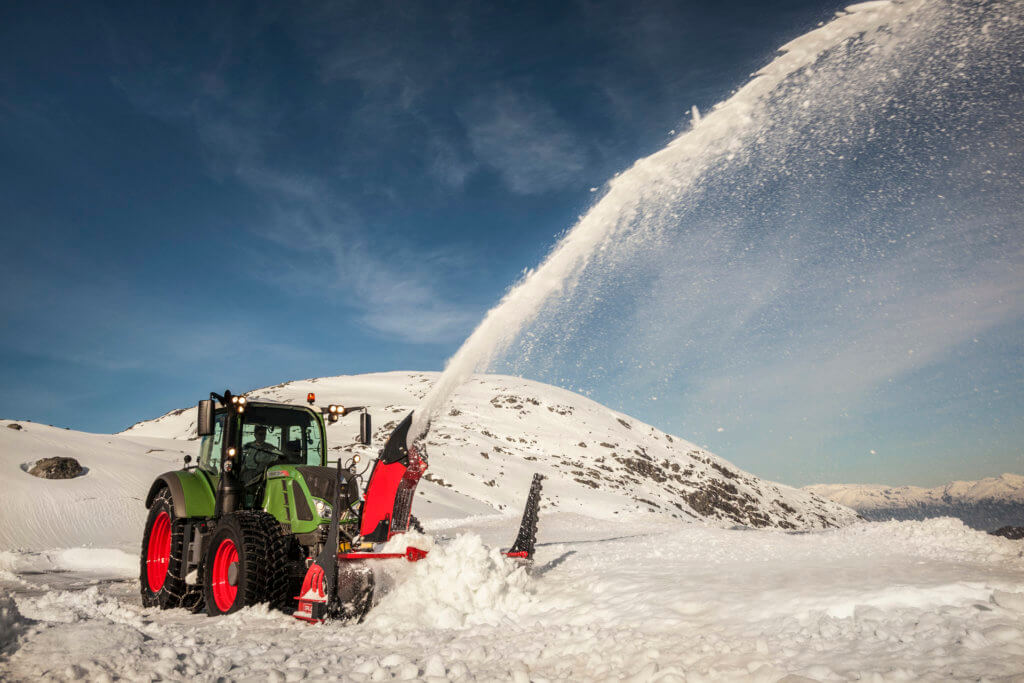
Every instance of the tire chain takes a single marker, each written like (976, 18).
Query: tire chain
(261, 535)
(175, 592)
(279, 579)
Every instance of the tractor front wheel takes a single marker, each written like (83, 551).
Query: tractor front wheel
(240, 567)
(160, 580)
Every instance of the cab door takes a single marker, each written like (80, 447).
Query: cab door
(210, 450)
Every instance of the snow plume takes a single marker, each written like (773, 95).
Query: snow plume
(826, 87)
(460, 584)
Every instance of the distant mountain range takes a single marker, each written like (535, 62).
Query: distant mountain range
(986, 504)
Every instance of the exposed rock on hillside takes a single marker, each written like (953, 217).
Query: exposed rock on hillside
(56, 468)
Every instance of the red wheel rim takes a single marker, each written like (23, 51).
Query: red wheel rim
(158, 552)
(223, 592)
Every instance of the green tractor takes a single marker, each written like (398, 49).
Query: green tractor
(262, 518)
(237, 528)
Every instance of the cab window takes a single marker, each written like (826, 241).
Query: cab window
(272, 435)
(310, 436)
(210, 448)
(261, 433)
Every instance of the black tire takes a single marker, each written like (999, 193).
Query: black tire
(251, 541)
(281, 590)
(171, 591)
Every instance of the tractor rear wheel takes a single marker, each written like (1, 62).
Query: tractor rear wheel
(160, 580)
(243, 563)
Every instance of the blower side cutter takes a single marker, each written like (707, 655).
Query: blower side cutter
(344, 579)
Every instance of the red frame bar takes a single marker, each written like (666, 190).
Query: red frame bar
(412, 554)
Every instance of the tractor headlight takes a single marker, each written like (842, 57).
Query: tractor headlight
(323, 509)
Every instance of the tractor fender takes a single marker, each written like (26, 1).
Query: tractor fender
(191, 493)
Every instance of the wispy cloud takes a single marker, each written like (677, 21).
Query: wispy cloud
(391, 288)
(395, 296)
(524, 140)
(449, 163)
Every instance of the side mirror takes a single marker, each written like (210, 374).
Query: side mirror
(188, 459)
(204, 423)
(365, 429)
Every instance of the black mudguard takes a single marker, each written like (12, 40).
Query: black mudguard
(173, 484)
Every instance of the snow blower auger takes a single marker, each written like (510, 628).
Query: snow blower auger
(261, 518)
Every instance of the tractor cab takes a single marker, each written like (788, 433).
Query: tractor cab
(266, 456)
(267, 435)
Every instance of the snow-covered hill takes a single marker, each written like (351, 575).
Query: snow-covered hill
(985, 504)
(498, 430)
(102, 507)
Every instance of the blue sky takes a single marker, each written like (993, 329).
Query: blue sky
(198, 196)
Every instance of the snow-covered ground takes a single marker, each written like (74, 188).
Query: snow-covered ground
(620, 588)
(644, 598)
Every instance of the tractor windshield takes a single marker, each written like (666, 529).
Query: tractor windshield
(278, 436)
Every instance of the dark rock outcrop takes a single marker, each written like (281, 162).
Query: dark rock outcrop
(1014, 533)
(56, 468)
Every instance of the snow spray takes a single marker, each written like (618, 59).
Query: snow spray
(830, 91)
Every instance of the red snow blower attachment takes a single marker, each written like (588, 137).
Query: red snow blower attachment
(343, 580)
